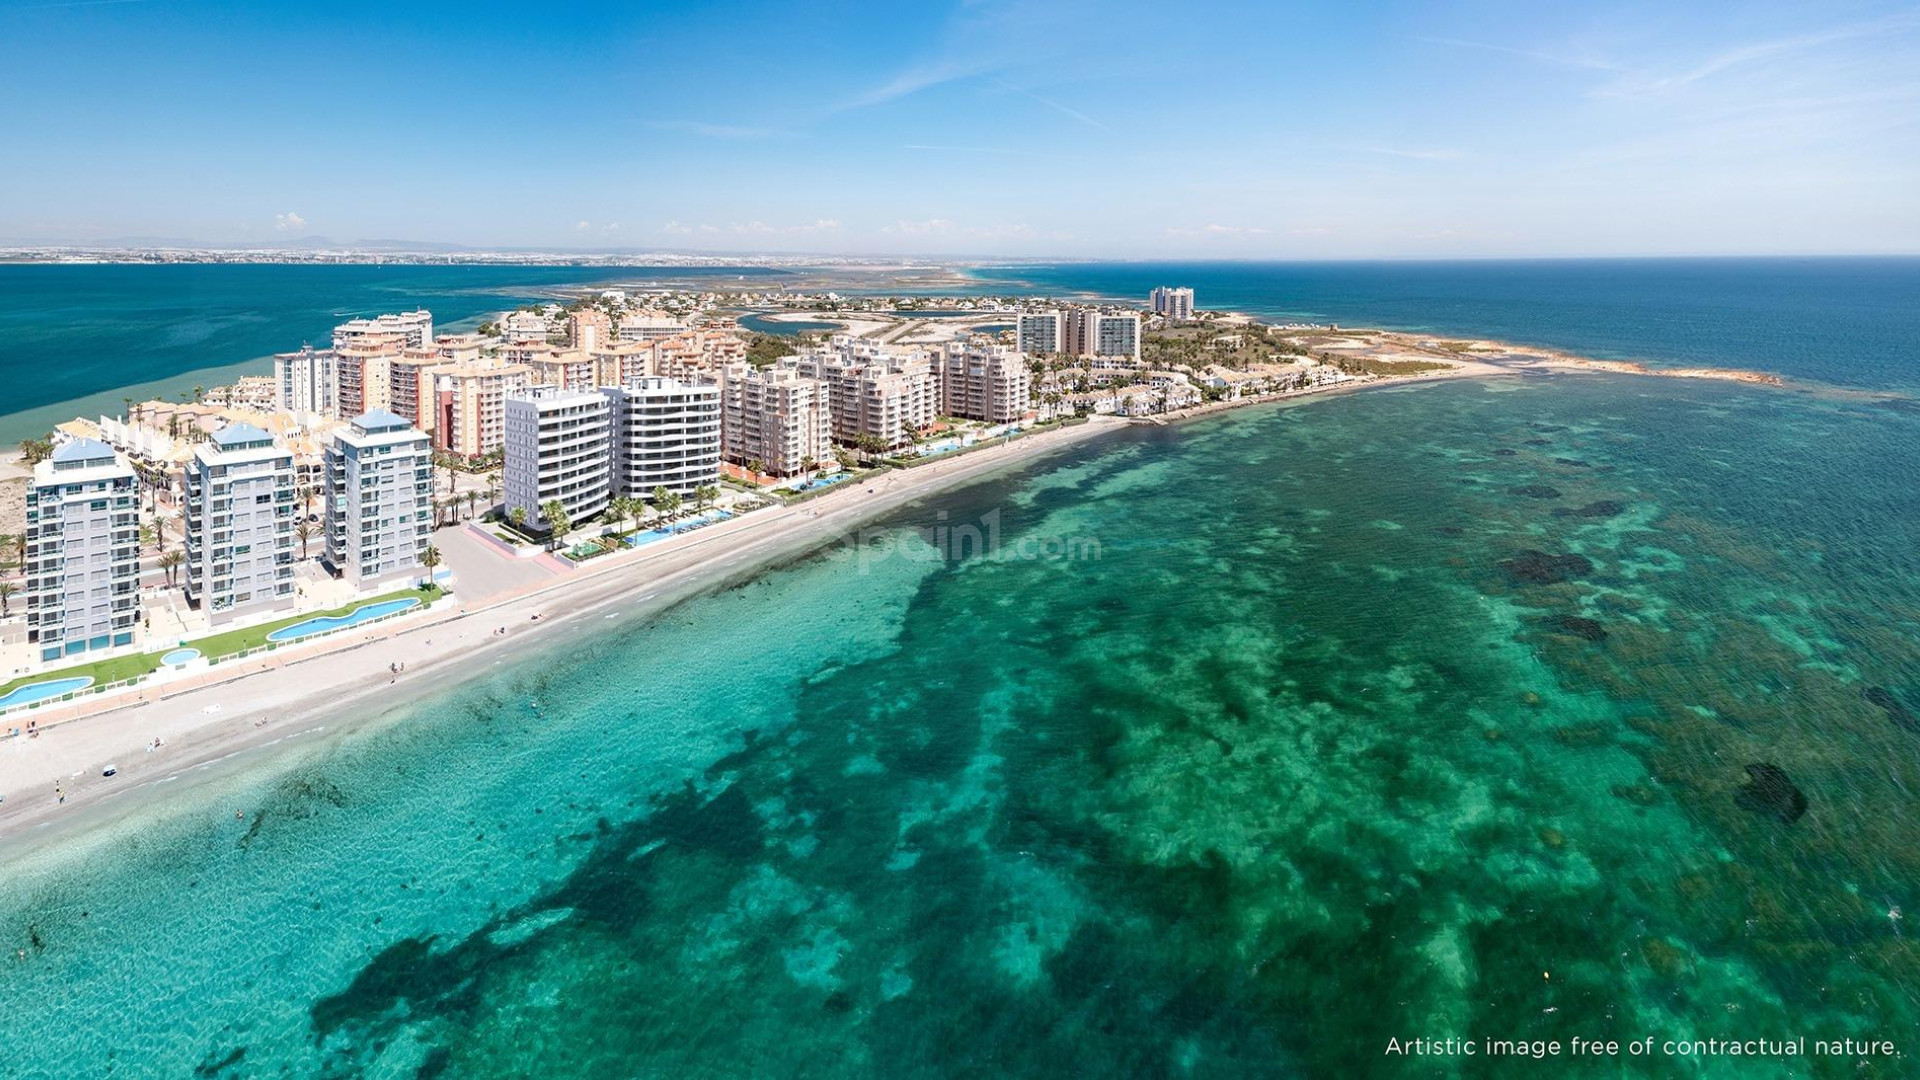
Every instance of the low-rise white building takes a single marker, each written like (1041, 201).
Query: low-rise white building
(239, 524)
(83, 552)
(379, 498)
(557, 448)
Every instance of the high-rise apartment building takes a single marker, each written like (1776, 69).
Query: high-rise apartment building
(83, 551)
(777, 417)
(873, 392)
(1175, 304)
(1040, 333)
(470, 402)
(411, 329)
(1091, 332)
(239, 522)
(556, 448)
(666, 433)
(980, 380)
(303, 381)
(379, 498)
(362, 378)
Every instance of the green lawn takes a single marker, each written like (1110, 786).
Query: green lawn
(213, 648)
(103, 671)
(233, 641)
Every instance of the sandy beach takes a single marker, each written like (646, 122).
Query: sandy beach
(344, 682)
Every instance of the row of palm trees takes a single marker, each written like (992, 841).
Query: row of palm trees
(619, 508)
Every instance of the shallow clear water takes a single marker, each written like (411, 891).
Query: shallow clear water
(1258, 741)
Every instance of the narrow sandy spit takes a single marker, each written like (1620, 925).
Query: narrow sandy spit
(343, 684)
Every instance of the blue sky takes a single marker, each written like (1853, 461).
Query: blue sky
(1243, 130)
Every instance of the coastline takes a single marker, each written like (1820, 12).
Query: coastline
(216, 718)
(294, 694)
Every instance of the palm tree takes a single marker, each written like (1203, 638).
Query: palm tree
(170, 560)
(473, 499)
(36, 451)
(704, 494)
(493, 487)
(756, 467)
(557, 522)
(518, 515)
(659, 498)
(430, 558)
(149, 535)
(199, 394)
(303, 532)
(808, 464)
(7, 589)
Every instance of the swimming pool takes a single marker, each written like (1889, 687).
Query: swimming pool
(651, 536)
(41, 691)
(326, 624)
(180, 656)
(821, 481)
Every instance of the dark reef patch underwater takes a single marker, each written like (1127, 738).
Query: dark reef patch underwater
(1338, 735)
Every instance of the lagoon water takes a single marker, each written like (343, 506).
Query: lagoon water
(1535, 708)
(73, 336)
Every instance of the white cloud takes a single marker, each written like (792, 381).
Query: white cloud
(920, 228)
(1218, 230)
(582, 226)
(289, 221)
(674, 228)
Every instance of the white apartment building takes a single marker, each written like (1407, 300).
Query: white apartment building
(649, 326)
(303, 381)
(980, 380)
(83, 551)
(1175, 304)
(411, 329)
(1040, 333)
(666, 433)
(557, 449)
(775, 416)
(239, 520)
(525, 327)
(379, 498)
(1091, 332)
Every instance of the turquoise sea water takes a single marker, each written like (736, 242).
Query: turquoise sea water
(1544, 707)
(76, 340)
(1847, 321)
